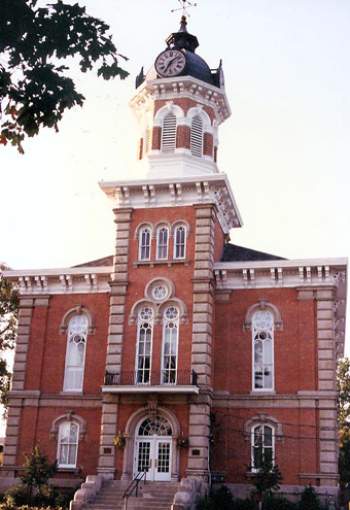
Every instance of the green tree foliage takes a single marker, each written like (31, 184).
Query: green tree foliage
(8, 330)
(343, 383)
(36, 474)
(266, 480)
(36, 44)
(309, 499)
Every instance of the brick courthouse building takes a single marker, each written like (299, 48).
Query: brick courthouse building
(198, 354)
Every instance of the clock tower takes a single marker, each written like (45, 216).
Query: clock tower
(172, 225)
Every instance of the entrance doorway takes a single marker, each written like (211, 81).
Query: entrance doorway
(153, 449)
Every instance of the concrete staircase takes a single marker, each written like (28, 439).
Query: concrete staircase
(152, 496)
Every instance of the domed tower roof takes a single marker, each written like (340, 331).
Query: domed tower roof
(194, 65)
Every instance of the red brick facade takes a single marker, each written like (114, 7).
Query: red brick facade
(168, 335)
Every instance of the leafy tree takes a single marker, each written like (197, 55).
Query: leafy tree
(36, 475)
(343, 383)
(8, 329)
(266, 480)
(35, 46)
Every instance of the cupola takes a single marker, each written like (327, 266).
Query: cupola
(180, 102)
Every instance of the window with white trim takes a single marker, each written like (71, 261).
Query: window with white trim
(144, 346)
(168, 142)
(263, 350)
(162, 243)
(75, 355)
(145, 243)
(170, 345)
(197, 136)
(67, 448)
(262, 446)
(180, 242)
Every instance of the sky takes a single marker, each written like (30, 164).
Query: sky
(285, 147)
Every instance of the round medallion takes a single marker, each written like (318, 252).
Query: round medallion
(170, 63)
(159, 292)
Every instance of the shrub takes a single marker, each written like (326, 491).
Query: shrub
(309, 499)
(222, 498)
(277, 502)
(243, 504)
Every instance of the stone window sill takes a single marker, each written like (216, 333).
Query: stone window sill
(169, 263)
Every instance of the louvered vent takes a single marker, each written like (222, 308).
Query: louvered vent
(169, 133)
(197, 136)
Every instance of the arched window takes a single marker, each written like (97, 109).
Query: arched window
(162, 243)
(75, 354)
(170, 345)
(263, 350)
(180, 242)
(169, 133)
(145, 243)
(67, 448)
(157, 426)
(144, 346)
(197, 136)
(262, 446)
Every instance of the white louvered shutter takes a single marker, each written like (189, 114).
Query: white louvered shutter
(169, 133)
(197, 136)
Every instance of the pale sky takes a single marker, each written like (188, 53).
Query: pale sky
(285, 147)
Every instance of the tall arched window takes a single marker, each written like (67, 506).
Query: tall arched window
(144, 345)
(67, 448)
(180, 242)
(169, 133)
(162, 243)
(262, 446)
(170, 345)
(145, 243)
(75, 354)
(263, 350)
(197, 136)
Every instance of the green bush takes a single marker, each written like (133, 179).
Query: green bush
(309, 499)
(243, 504)
(277, 502)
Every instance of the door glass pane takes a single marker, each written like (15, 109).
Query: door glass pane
(143, 463)
(163, 457)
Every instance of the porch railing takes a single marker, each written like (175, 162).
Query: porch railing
(133, 487)
(155, 378)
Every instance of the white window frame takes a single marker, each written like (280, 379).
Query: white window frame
(177, 227)
(140, 321)
(59, 444)
(197, 136)
(271, 331)
(68, 367)
(252, 445)
(165, 370)
(144, 246)
(164, 246)
(169, 133)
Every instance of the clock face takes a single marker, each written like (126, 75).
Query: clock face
(170, 63)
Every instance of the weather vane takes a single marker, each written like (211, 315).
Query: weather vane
(185, 5)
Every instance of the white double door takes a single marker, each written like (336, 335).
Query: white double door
(153, 455)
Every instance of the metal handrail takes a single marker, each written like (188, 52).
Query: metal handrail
(163, 378)
(134, 484)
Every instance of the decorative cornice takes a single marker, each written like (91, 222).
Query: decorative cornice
(61, 281)
(178, 88)
(183, 191)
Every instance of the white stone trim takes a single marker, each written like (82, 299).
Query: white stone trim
(170, 107)
(181, 87)
(178, 191)
(82, 280)
(157, 388)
